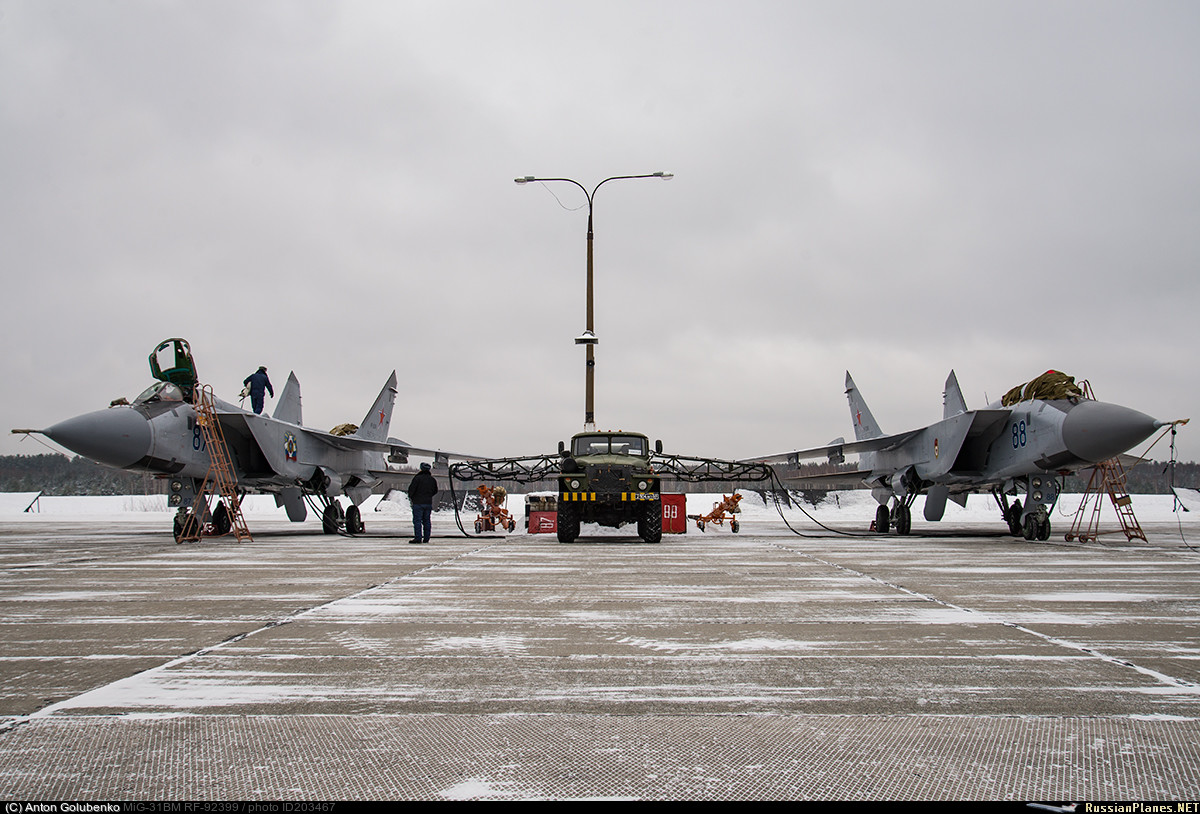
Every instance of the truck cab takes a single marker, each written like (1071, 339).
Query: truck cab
(607, 478)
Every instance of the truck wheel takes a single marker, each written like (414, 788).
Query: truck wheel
(568, 524)
(650, 526)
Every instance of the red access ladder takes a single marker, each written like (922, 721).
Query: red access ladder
(220, 478)
(1108, 477)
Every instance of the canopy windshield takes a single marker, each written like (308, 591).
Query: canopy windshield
(160, 391)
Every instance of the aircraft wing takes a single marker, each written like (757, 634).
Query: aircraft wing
(838, 448)
(393, 446)
(830, 480)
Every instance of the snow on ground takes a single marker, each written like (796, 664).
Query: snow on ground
(850, 505)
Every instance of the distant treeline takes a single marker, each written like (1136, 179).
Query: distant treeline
(60, 475)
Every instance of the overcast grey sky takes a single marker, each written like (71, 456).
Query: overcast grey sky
(893, 188)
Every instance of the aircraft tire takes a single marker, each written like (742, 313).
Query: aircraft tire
(1030, 528)
(650, 526)
(221, 520)
(186, 526)
(329, 519)
(1043, 533)
(568, 524)
(1014, 518)
(903, 520)
(354, 523)
(882, 519)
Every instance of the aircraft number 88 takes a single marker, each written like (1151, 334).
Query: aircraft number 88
(1018, 435)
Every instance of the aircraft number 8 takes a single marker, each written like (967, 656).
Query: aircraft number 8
(197, 438)
(1018, 435)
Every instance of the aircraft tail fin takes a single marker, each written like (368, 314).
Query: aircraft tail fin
(374, 426)
(288, 407)
(865, 426)
(952, 398)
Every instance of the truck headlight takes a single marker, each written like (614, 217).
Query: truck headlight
(574, 484)
(642, 485)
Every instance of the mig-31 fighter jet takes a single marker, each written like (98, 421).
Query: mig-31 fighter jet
(1039, 431)
(160, 433)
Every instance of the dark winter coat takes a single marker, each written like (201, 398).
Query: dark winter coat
(259, 382)
(422, 489)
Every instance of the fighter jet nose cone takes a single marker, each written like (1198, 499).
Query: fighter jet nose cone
(119, 436)
(1095, 431)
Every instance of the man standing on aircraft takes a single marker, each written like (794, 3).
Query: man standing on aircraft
(420, 494)
(258, 382)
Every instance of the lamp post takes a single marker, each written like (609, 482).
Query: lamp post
(588, 338)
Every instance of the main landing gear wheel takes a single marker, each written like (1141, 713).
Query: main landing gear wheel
(222, 523)
(329, 519)
(354, 522)
(903, 519)
(1014, 518)
(882, 519)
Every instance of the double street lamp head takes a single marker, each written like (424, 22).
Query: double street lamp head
(666, 176)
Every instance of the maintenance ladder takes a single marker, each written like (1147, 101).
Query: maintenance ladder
(1108, 477)
(220, 478)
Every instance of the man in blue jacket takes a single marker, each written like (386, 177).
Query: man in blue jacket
(420, 495)
(258, 382)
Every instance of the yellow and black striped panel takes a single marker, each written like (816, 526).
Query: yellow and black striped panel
(576, 497)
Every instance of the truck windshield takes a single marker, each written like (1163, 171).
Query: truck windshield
(611, 445)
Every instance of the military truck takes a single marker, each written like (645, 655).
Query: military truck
(606, 478)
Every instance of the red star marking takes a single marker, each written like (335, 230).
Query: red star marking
(382, 415)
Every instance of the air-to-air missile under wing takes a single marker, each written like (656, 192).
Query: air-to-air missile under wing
(1039, 431)
(160, 433)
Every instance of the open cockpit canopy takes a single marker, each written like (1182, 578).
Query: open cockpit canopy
(172, 362)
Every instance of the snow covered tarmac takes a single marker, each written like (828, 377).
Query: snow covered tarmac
(969, 665)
